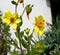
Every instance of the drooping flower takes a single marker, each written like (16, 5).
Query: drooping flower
(28, 10)
(39, 25)
(10, 19)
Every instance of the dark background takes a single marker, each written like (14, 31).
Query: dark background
(55, 9)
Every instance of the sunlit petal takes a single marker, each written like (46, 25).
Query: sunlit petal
(40, 33)
(34, 23)
(7, 13)
(14, 15)
(4, 20)
(36, 29)
(14, 26)
(18, 20)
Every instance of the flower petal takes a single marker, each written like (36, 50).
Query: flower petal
(34, 23)
(14, 15)
(40, 33)
(4, 20)
(14, 26)
(7, 13)
(18, 20)
(36, 29)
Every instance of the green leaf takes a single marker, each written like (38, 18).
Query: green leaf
(7, 41)
(6, 27)
(21, 21)
(21, 34)
(24, 43)
(13, 53)
(6, 30)
(16, 43)
(14, 3)
(16, 34)
(30, 37)
(25, 37)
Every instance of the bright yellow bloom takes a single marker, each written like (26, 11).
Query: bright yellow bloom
(27, 31)
(39, 25)
(10, 19)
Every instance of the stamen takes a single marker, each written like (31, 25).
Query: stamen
(11, 20)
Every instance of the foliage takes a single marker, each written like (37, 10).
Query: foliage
(4, 34)
(48, 43)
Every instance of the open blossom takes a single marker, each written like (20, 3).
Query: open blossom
(10, 19)
(39, 25)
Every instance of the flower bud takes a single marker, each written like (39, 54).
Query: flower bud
(27, 31)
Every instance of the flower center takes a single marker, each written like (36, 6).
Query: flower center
(11, 20)
(39, 24)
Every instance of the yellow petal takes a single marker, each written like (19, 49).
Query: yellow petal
(18, 20)
(40, 33)
(34, 23)
(35, 18)
(4, 20)
(36, 29)
(14, 15)
(7, 13)
(13, 26)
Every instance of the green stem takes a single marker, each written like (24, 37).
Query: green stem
(18, 30)
(16, 8)
(28, 48)
(39, 38)
(23, 12)
(33, 41)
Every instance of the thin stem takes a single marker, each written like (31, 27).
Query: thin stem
(23, 12)
(18, 30)
(33, 41)
(28, 48)
(39, 38)
(16, 8)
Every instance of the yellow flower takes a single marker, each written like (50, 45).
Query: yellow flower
(10, 19)
(39, 25)
(37, 46)
(27, 31)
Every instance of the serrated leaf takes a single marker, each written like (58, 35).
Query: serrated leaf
(13, 2)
